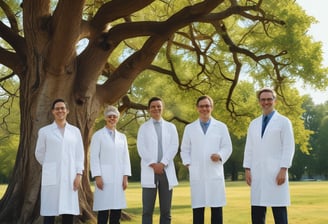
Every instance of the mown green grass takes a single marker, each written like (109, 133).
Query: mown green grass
(309, 204)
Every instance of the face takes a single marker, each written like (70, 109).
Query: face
(60, 111)
(204, 108)
(155, 109)
(267, 102)
(111, 121)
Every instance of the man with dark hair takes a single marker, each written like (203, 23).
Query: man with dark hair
(158, 144)
(268, 154)
(59, 150)
(205, 147)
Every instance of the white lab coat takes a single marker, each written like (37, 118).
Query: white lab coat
(265, 156)
(147, 149)
(61, 157)
(110, 160)
(207, 183)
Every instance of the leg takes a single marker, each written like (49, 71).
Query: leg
(115, 216)
(216, 215)
(102, 217)
(48, 219)
(198, 215)
(165, 199)
(67, 219)
(148, 203)
(280, 215)
(258, 214)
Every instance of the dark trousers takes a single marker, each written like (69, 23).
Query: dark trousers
(66, 219)
(216, 215)
(165, 199)
(279, 214)
(114, 216)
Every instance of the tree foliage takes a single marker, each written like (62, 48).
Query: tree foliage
(133, 49)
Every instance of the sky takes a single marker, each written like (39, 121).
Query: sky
(318, 9)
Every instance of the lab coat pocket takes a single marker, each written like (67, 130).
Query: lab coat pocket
(194, 172)
(107, 173)
(216, 171)
(49, 174)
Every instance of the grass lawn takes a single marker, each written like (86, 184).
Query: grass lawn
(309, 204)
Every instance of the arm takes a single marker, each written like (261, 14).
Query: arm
(144, 139)
(171, 147)
(95, 160)
(186, 148)
(79, 153)
(248, 159)
(288, 149)
(126, 162)
(225, 148)
(40, 149)
(95, 149)
(79, 161)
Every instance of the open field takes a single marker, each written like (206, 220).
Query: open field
(309, 204)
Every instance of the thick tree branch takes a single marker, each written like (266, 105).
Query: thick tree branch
(10, 16)
(12, 61)
(127, 104)
(12, 38)
(66, 19)
(140, 60)
(116, 9)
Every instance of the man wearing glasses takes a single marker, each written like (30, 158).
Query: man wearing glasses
(59, 150)
(268, 154)
(206, 146)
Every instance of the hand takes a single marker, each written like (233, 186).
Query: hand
(125, 182)
(248, 177)
(215, 157)
(99, 183)
(158, 168)
(77, 182)
(281, 177)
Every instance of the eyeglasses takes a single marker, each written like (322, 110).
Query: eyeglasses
(59, 108)
(266, 99)
(204, 106)
(112, 116)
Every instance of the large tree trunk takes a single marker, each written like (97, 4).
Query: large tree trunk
(21, 202)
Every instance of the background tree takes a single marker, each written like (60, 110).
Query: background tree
(321, 150)
(200, 46)
(9, 128)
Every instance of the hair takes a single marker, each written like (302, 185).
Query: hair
(205, 97)
(266, 89)
(155, 98)
(57, 101)
(113, 109)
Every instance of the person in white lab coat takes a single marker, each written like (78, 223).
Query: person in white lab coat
(269, 151)
(110, 166)
(157, 144)
(206, 146)
(59, 150)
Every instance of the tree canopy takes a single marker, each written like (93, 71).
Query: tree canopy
(93, 53)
